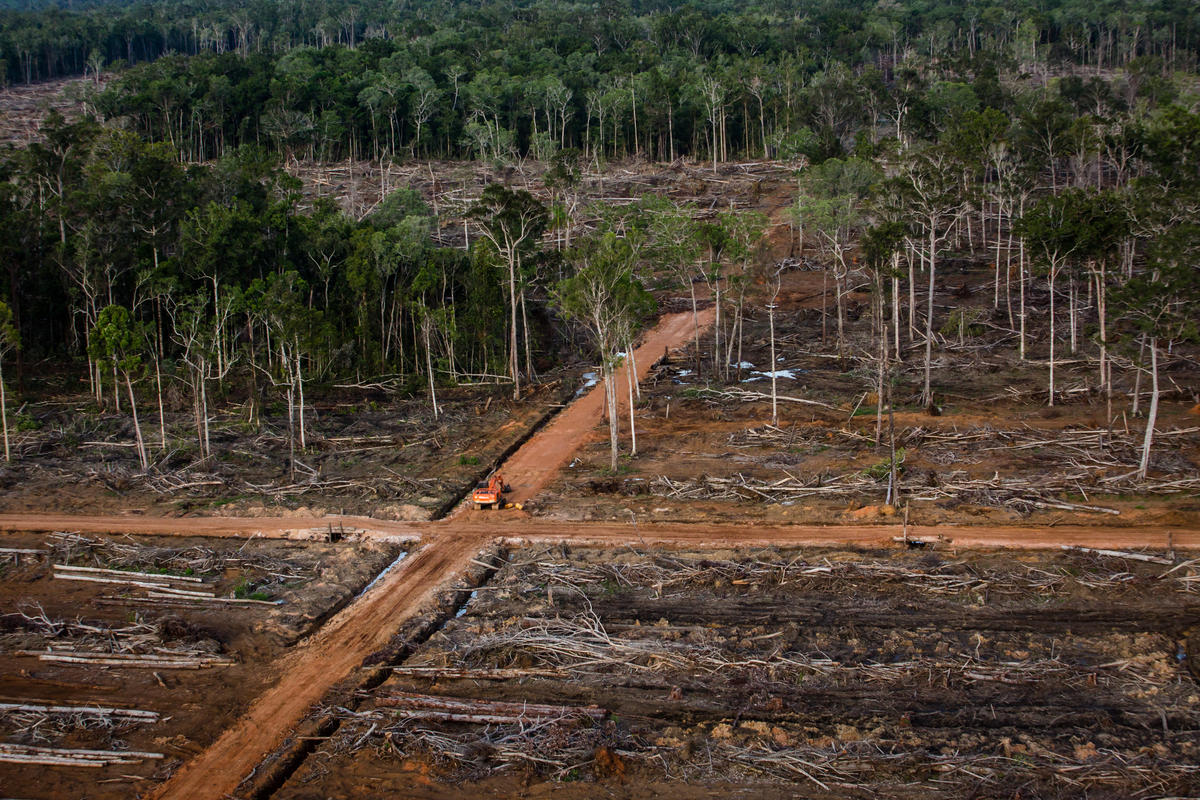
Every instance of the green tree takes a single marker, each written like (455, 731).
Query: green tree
(1163, 302)
(1052, 227)
(927, 187)
(10, 339)
(832, 206)
(604, 296)
(512, 222)
(117, 342)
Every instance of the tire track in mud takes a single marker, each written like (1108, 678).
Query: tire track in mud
(327, 657)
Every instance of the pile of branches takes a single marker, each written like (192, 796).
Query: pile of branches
(31, 722)
(862, 764)
(581, 645)
(141, 643)
(1021, 493)
(553, 746)
(1088, 450)
(742, 488)
(580, 642)
(771, 436)
(174, 483)
(79, 550)
(1092, 454)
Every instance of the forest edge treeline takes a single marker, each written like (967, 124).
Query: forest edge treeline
(1090, 177)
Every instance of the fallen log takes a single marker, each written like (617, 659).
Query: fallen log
(141, 584)
(98, 711)
(150, 660)
(128, 573)
(1065, 506)
(451, 673)
(452, 709)
(210, 599)
(29, 754)
(169, 591)
(1120, 554)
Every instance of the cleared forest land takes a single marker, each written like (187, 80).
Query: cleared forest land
(746, 605)
(837, 673)
(123, 657)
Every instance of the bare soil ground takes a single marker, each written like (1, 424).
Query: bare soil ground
(46, 613)
(309, 672)
(995, 453)
(837, 673)
(637, 669)
(374, 454)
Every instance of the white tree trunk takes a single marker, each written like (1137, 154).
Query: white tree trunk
(774, 368)
(927, 390)
(425, 323)
(162, 422)
(610, 399)
(4, 415)
(1053, 275)
(1153, 415)
(137, 428)
(632, 377)
(514, 372)
(300, 393)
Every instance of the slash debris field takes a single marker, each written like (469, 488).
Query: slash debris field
(839, 673)
(120, 658)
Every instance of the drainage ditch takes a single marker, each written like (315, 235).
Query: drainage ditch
(277, 768)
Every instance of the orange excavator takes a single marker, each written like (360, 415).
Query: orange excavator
(490, 494)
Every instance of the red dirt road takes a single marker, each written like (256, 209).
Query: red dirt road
(231, 527)
(517, 526)
(700, 535)
(548, 451)
(317, 664)
(369, 622)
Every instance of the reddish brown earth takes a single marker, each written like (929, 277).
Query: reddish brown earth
(317, 664)
(302, 678)
(540, 459)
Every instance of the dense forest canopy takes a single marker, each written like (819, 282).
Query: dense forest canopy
(46, 41)
(1057, 144)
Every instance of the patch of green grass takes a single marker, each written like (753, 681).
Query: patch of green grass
(881, 470)
(24, 422)
(468, 461)
(610, 587)
(189, 572)
(246, 591)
